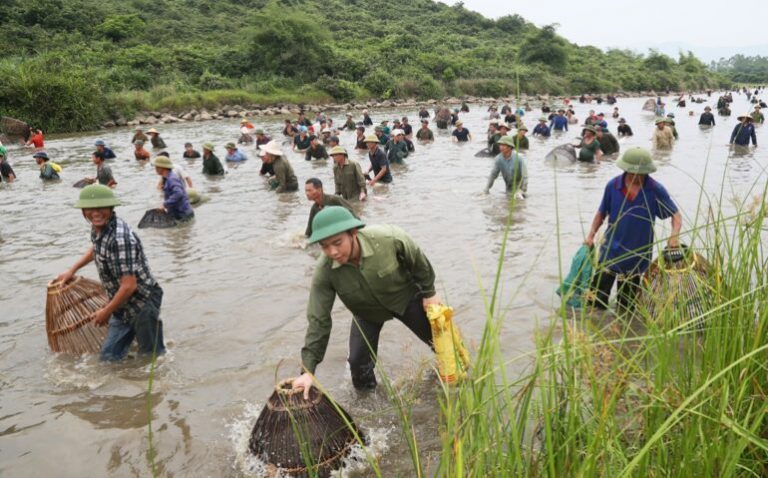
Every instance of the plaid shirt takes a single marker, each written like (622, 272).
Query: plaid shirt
(117, 252)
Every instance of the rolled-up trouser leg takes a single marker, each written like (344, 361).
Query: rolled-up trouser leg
(363, 344)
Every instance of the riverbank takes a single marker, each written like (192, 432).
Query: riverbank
(226, 104)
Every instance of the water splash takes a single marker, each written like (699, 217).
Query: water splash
(354, 465)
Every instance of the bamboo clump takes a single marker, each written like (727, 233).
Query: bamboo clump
(291, 431)
(68, 312)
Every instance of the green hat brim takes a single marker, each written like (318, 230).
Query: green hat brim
(96, 203)
(635, 168)
(335, 228)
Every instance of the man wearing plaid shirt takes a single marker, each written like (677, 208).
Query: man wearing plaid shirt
(133, 310)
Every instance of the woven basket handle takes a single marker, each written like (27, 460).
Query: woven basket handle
(675, 254)
(57, 284)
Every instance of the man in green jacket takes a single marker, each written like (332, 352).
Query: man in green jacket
(348, 176)
(313, 188)
(378, 272)
(284, 179)
(396, 148)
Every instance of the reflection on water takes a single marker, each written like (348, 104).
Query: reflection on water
(236, 282)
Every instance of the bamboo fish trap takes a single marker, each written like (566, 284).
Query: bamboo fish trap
(157, 218)
(677, 285)
(302, 438)
(68, 316)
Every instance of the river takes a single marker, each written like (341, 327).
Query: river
(236, 283)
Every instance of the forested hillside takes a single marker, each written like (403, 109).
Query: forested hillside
(69, 64)
(744, 69)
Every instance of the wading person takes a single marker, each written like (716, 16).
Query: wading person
(234, 154)
(460, 133)
(283, 180)
(663, 138)
(757, 115)
(103, 172)
(424, 133)
(102, 148)
(139, 152)
(316, 150)
(707, 118)
(542, 129)
(743, 132)
(396, 148)
(176, 201)
(139, 136)
(511, 166)
(37, 140)
(559, 122)
(211, 164)
(133, 310)
(155, 139)
(521, 141)
(608, 142)
(589, 149)
(313, 188)
(47, 171)
(624, 129)
(631, 203)
(348, 176)
(379, 162)
(6, 171)
(379, 273)
(190, 152)
(301, 141)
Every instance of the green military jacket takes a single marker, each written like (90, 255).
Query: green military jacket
(284, 176)
(393, 271)
(425, 134)
(757, 117)
(349, 179)
(521, 143)
(493, 143)
(396, 152)
(212, 166)
(609, 144)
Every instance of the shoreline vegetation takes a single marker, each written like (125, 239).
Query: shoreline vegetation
(64, 71)
(197, 107)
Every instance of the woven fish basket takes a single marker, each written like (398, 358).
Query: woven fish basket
(158, 219)
(292, 432)
(564, 152)
(677, 285)
(68, 311)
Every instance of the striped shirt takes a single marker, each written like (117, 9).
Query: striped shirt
(117, 252)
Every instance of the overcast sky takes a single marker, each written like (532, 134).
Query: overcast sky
(711, 29)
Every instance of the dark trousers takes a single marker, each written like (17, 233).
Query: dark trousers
(627, 288)
(364, 342)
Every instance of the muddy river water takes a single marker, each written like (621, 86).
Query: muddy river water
(236, 283)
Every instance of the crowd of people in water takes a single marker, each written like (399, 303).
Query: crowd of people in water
(379, 272)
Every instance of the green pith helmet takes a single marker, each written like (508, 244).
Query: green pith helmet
(338, 150)
(659, 120)
(259, 131)
(208, 146)
(163, 162)
(637, 161)
(96, 196)
(507, 141)
(333, 220)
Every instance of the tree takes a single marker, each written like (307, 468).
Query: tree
(289, 42)
(545, 47)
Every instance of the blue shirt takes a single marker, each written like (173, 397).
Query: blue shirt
(541, 130)
(629, 237)
(109, 154)
(237, 155)
(379, 161)
(742, 134)
(176, 199)
(462, 135)
(559, 123)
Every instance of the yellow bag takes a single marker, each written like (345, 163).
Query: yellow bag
(55, 167)
(452, 356)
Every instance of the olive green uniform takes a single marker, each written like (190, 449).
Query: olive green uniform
(425, 134)
(392, 272)
(284, 180)
(609, 144)
(349, 179)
